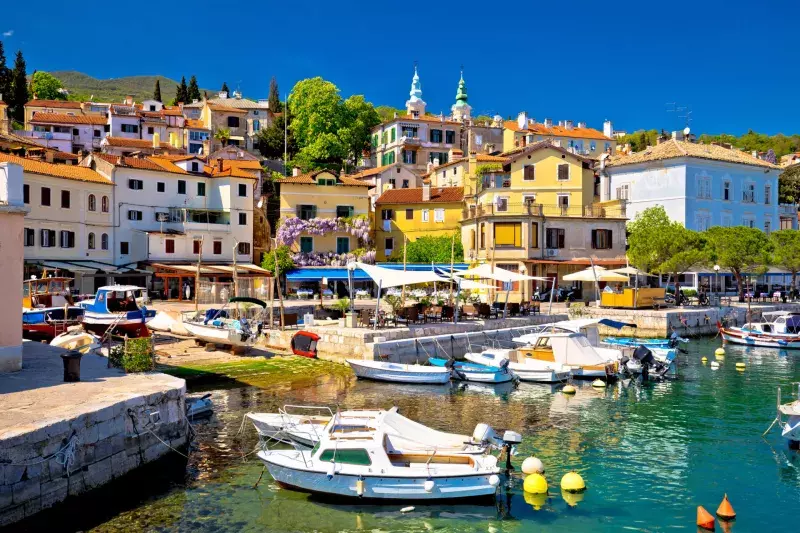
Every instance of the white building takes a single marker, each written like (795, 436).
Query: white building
(69, 133)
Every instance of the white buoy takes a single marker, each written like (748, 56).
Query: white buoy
(494, 480)
(714, 365)
(407, 509)
(532, 465)
(429, 484)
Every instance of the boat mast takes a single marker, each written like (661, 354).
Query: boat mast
(197, 277)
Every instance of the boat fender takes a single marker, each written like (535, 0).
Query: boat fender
(407, 509)
(532, 465)
(360, 486)
(331, 470)
(144, 314)
(725, 510)
(429, 484)
(494, 480)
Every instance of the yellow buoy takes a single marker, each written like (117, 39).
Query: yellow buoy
(535, 484)
(599, 384)
(719, 351)
(536, 501)
(572, 498)
(704, 359)
(532, 465)
(568, 389)
(572, 482)
(740, 366)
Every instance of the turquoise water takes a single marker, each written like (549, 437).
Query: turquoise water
(649, 456)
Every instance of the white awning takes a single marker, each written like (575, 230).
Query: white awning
(66, 266)
(485, 271)
(387, 277)
(598, 274)
(466, 284)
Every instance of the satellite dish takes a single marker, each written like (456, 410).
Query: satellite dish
(686, 130)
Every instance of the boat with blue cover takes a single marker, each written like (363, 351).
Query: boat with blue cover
(47, 307)
(239, 323)
(476, 372)
(120, 306)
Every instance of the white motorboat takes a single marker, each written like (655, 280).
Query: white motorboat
(120, 308)
(292, 427)
(525, 368)
(399, 372)
(574, 351)
(199, 407)
(363, 457)
(476, 372)
(790, 426)
(760, 334)
(230, 325)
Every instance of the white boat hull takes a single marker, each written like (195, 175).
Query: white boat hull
(540, 376)
(399, 373)
(218, 335)
(379, 487)
(290, 429)
(534, 372)
(762, 341)
(486, 377)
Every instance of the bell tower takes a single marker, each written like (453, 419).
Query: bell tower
(415, 106)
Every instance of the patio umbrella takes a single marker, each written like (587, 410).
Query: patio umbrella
(595, 274)
(630, 271)
(499, 274)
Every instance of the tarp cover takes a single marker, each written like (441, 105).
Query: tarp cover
(387, 277)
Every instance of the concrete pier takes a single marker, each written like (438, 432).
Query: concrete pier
(62, 439)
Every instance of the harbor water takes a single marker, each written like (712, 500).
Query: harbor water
(649, 455)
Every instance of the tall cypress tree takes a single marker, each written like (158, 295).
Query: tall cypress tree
(225, 88)
(182, 94)
(19, 89)
(5, 77)
(157, 92)
(274, 98)
(194, 91)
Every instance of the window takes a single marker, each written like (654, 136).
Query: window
(123, 248)
(169, 246)
(243, 248)
(534, 234)
(436, 136)
(201, 189)
(508, 234)
(767, 193)
(405, 184)
(107, 128)
(726, 220)
(242, 219)
(387, 158)
(344, 211)
(410, 157)
(133, 214)
(30, 237)
(104, 204)
(393, 182)
(129, 128)
(47, 238)
(601, 239)
(135, 185)
(426, 213)
(181, 187)
(233, 122)
(501, 204)
(441, 157)
(92, 203)
(767, 226)
(242, 190)
(375, 141)
(702, 220)
(256, 124)
(306, 212)
(704, 187)
(90, 241)
(161, 186)
(387, 214)
(563, 172)
(563, 201)
(96, 134)
(198, 135)
(409, 131)
(450, 137)
(393, 132)
(65, 199)
(528, 173)
(438, 215)
(350, 457)
(748, 222)
(104, 241)
(26, 193)
(409, 214)
(195, 166)
(67, 239)
(555, 238)
(342, 245)
(217, 247)
(749, 193)
(623, 192)
(150, 130)
(307, 244)
(45, 196)
(483, 236)
(389, 245)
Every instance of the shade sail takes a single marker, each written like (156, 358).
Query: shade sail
(630, 271)
(466, 284)
(486, 271)
(595, 274)
(387, 277)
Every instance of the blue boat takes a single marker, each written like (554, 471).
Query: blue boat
(117, 306)
(475, 372)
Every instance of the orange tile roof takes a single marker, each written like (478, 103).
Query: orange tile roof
(674, 148)
(223, 109)
(516, 153)
(439, 195)
(171, 111)
(122, 142)
(167, 164)
(41, 117)
(60, 104)
(557, 131)
(195, 124)
(310, 179)
(141, 163)
(70, 172)
(423, 118)
(480, 158)
(368, 172)
(242, 165)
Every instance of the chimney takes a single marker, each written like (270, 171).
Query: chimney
(754, 153)
(295, 171)
(48, 156)
(522, 120)
(582, 125)
(608, 129)
(157, 140)
(223, 94)
(129, 100)
(548, 123)
(219, 164)
(429, 167)
(568, 124)
(426, 192)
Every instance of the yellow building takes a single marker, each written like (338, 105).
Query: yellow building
(579, 138)
(452, 174)
(413, 213)
(50, 106)
(323, 195)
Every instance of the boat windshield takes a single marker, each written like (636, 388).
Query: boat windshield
(358, 456)
(582, 341)
(56, 286)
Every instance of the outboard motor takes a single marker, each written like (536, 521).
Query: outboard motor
(645, 358)
(484, 434)
(504, 366)
(451, 365)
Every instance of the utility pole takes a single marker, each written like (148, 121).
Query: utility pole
(278, 281)
(452, 260)
(197, 277)
(235, 245)
(405, 246)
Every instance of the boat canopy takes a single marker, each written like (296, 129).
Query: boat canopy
(245, 299)
(107, 301)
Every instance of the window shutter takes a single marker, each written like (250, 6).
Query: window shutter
(313, 211)
(594, 239)
(610, 240)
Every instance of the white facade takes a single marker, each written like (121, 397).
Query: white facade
(125, 122)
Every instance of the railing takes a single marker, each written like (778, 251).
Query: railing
(531, 209)
(494, 181)
(787, 209)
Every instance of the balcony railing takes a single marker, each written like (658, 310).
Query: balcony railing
(787, 209)
(617, 210)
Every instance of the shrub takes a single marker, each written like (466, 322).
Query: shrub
(135, 355)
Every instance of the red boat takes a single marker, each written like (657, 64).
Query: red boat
(304, 343)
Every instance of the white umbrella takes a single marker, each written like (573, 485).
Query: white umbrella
(499, 274)
(595, 274)
(630, 271)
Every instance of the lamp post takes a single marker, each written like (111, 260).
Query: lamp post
(716, 282)
(350, 268)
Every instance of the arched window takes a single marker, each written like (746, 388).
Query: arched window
(104, 240)
(91, 241)
(92, 203)
(104, 204)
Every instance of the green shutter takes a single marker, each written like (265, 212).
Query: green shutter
(393, 133)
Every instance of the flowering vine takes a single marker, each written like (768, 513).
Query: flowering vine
(302, 259)
(292, 227)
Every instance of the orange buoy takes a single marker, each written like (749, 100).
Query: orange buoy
(704, 519)
(725, 510)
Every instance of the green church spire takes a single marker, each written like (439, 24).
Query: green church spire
(461, 95)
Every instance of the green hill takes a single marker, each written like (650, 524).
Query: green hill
(82, 87)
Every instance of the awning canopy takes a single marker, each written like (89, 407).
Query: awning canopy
(90, 267)
(631, 271)
(211, 270)
(318, 273)
(387, 277)
(485, 271)
(596, 273)
(466, 284)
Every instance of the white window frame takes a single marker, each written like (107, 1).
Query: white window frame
(726, 184)
(497, 198)
(559, 196)
(767, 194)
(426, 215)
(438, 215)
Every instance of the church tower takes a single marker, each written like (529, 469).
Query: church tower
(461, 109)
(415, 106)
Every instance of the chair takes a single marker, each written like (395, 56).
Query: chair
(434, 313)
(535, 307)
(365, 318)
(448, 312)
(469, 311)
(513, 309)
(289, 320)
(486, 311)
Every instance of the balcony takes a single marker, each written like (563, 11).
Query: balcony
(44, 135)
(610, 210)
(410, 141)
(787, 210)
(494, 181)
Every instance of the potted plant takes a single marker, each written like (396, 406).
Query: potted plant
(342, 305)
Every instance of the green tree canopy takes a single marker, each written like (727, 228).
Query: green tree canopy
(640, 139)
(789, 186)
(270, 140)
(5, 77)
(786, 254)
(193, 92)
(386, 112)
(46, 86)
(19, 88)
(285, 262)
(429, 249)
(157, 92)
(182, 92)
(739, 249)
(274, 96)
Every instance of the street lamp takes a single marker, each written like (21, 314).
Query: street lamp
(716, 281)
(351, 267)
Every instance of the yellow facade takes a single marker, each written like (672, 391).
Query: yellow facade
(585, 141)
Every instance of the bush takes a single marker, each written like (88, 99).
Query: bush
(135, 355)
(689, 293)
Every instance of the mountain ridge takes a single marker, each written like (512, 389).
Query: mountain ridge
(84, 87)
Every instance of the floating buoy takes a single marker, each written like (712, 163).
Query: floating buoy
(429, 484)
(725, 510)
(572, 482)
(704, 359)
(740, 366)
(568, 389)
(719, 351)
(535, 484)
(536, 501)
(407, 509)
(494, 480)
(599, 384)
(572, 498)
(532, 465)
(704, 519)
(714, 365)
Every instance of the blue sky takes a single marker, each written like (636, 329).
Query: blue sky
(732, 62)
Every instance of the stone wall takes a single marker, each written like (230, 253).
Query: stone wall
(109, 442)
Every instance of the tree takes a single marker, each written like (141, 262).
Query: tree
(5, 77)
(359, 119)
(387, 113)
(225, 88)
(223, 135)
(285, 262)
(193, 92)
(157, 92)
(786, 245)
(46, 86)
(270, 140)
(641, 139)
(789, 186)
(274, 97)
(19, 89)
(182, 92)
(428, 248)
(739, 249)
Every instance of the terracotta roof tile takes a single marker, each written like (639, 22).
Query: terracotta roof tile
(41, 117)
(310, 179)
(481, 158)
(674, 148)
(171, 111)
(225, 109)
(557, 131)
(439, 195)
(70, 172)
(167, 164)
(59, 104)
(141, 144)
(368, 172)
(141, 163)
(516, 153)
(194, 124)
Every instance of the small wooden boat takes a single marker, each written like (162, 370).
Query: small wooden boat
(476, 372)
(47, 307)
(77, 340)
(304, 344)
(229, 326)
(117, 307)
(399, 372)
(199, 407)
(759, 334)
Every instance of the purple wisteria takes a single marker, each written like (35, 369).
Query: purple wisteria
(303, 259)
(292, 227)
